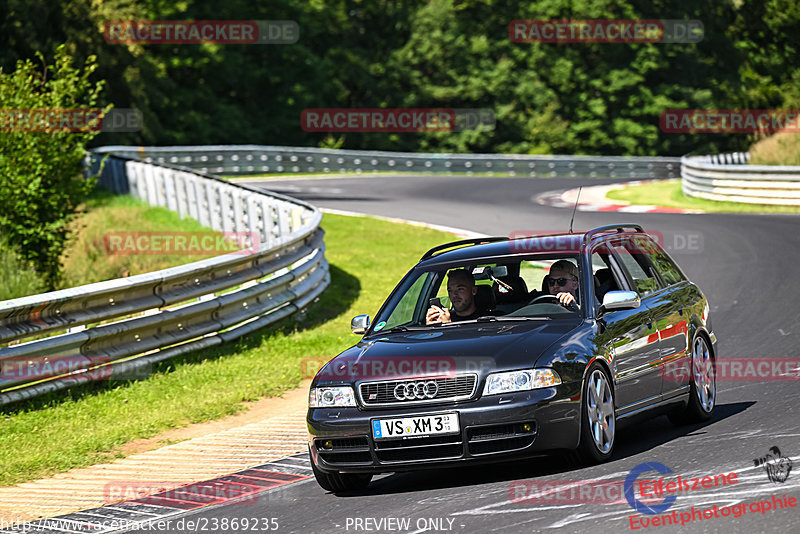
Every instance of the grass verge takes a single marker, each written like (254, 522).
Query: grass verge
(668, 194)
(91, 257)
(86, 258)
(87, 425)
(17, 278)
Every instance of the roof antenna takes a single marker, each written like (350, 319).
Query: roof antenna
(575, 209)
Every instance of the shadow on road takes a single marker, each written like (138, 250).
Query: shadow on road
(635, 439)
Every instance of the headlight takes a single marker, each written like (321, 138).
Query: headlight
(331, 397)
(520, 381)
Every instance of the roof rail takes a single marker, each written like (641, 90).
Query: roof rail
(609, 227)
(474, 241)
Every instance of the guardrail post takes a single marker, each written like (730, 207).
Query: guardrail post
(239, 224)
(192, 200)
(169, 183)
(266, 218)
(213, 206)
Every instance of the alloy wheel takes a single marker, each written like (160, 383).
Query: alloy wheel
(600, 409)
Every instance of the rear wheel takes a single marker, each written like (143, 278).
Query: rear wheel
(337, 482)
(598, 418)
(702, 389)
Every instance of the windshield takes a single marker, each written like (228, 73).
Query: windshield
(535, 288)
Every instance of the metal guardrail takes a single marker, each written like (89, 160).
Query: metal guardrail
(118, 328)
(254, 159)
(728, 177)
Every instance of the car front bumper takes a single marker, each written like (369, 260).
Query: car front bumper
(493, 428)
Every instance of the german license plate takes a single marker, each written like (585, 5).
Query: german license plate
(446, 423)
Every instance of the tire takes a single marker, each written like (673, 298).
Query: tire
(598, 418)
(702, 387)
(337, 482)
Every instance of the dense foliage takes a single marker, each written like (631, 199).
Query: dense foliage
(41, 182)
(548, 98)
(580, 98)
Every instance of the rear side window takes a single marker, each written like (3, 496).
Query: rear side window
(663, 264)
(634, 261)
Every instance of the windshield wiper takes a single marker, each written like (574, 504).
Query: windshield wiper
(401, 328)
(492, 318)
(398, 328)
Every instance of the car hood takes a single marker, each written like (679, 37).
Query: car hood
(481, 348)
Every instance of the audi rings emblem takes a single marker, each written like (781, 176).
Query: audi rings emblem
(416, 390)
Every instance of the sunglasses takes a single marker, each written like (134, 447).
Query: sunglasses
(559, 281)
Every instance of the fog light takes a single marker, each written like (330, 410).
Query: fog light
(526, 427)
(328, 444)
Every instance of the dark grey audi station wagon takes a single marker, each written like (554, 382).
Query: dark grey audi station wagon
(496, 349)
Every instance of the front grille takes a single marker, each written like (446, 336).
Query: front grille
(412, 449)
(458, 387)
(500, 438)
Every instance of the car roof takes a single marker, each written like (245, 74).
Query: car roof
(495, 247)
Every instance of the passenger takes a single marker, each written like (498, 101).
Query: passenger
(462, 290)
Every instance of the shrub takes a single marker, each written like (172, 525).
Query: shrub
(17, 277)
(40, 171)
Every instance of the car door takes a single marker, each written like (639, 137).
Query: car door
(633, 333)
(668, 308)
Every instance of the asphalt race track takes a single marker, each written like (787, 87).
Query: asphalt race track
(747, 267)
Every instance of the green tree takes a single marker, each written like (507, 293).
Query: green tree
(592, 98)
(41, 184)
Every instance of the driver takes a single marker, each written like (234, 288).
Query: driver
(462, 290)
(562, 281)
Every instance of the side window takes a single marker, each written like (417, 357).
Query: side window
(634, 261)
(661, 262)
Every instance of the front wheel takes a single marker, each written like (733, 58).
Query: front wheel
(703, 387)
(598, 418)
(337, 482)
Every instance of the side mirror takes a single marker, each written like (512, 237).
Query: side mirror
(620, 300)
(359, 324)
